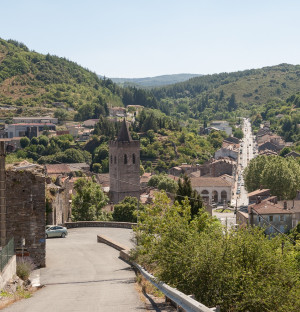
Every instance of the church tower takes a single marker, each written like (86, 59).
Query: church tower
(124, 166)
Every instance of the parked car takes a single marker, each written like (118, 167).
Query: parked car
(56, 231)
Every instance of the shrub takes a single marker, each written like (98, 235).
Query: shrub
(24, 267)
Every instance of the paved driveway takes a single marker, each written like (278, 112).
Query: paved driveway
(83, 275)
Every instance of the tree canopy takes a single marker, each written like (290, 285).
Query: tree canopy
(241, 270)
(88, 202)
(280, 175)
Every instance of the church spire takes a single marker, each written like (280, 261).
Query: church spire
(124, 134)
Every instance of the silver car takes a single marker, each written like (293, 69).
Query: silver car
(56, 231)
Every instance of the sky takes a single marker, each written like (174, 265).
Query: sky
(146, 38)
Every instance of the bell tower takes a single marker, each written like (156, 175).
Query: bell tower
(124, 166)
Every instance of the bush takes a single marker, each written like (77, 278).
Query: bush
(24, 267)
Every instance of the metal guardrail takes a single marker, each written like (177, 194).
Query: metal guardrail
(6, 253)
(187, 303)
(182, 300)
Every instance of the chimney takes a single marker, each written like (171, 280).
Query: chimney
(258, 200)
(285, 205)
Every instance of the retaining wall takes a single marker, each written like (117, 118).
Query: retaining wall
(124, 225)
(8, 272)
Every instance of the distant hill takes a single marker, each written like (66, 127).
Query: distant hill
(157, 81)
(248, 90)
(30, 79)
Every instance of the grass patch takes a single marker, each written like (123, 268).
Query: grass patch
(223, 210)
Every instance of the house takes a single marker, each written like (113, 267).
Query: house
(229, 151)
(41, 120)
(275, 216)
(145, 179)
(261, 194)
(292, 154)
(103, 180)
(222, 125)
(268, 146)
(212, 190)
(117, 112)
(268, 153)
(232, 140)
(271, 215)
(208, 130)
(57, 169)
(27, 129)
(183, 169)
(74, 129)
(216, 168)
(90, 122)
(262, 131)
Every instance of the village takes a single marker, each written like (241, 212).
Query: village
(34, 191)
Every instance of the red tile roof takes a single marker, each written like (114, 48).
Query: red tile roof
(209, 182)
(57, 169)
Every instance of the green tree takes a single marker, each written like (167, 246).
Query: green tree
(185, 191)
(43, 140)
(61, 114)
(126, 210)
(88, 202)
(242, 270)
(34, 141)
(252, 173)
(285, 151)
(238, 133)
(232, 105)
(24, 142)
(280, 175)
(163, 182)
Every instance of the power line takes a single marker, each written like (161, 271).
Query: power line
(270, 224)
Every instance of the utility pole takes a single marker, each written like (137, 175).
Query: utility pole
(2, 195)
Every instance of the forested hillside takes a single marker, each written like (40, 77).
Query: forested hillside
(218, 95)
(32, 80)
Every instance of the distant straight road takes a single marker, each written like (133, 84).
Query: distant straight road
(83, 275)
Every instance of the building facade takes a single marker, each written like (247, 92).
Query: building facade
(213, 190)
(27, 129)
(124, 166)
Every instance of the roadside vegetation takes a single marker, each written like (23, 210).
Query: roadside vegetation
(240, 270)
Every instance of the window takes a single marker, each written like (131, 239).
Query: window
(111, 159)
(281, 218)
(258, 219)
(115, 159)
(133, 158)
(271, 218)
(125, 159)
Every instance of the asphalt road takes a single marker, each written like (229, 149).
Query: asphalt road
(83, 275)
(245, 157)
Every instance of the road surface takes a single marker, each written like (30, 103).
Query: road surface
(83, 275)
(247, 152)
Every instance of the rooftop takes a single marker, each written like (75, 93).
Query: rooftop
(57, 169)
(209, 182)
(258, 192)
(266, 207)
(124, 134)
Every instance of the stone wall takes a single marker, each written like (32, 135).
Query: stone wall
(58, 202)
(221, 167)
(124, 225)
(25, 202)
